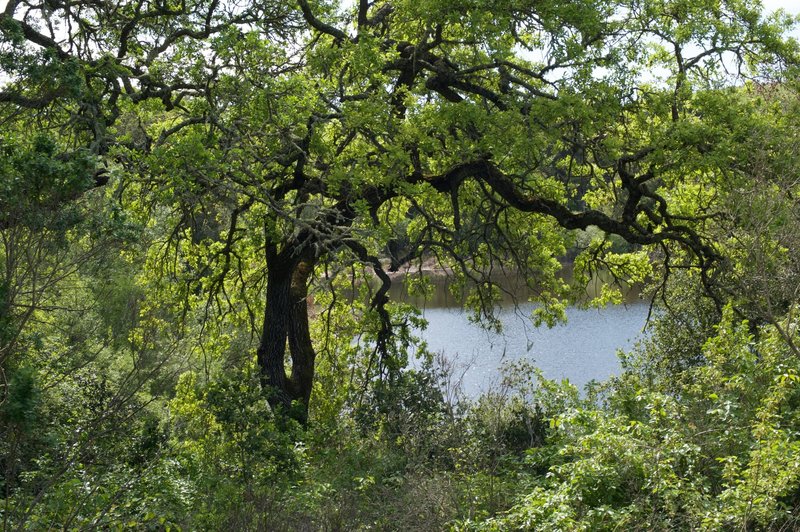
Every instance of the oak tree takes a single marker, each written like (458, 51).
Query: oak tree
(286, 143)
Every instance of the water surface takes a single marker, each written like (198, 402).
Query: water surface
(582, 350)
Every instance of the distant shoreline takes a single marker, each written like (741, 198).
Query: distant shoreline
(432, 267)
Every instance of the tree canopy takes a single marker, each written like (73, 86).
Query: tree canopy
(281, 142)
(190, 183)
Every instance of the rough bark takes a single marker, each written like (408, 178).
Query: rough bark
(272, 348)
(286, 325)
(300, 347)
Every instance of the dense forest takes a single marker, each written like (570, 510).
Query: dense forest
(204, 204)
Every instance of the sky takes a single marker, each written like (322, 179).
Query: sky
(791, 6)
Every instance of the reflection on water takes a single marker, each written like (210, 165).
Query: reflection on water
(583, 349)
(513, 290)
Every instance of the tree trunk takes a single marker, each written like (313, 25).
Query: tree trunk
(300, 346)
(286, 318)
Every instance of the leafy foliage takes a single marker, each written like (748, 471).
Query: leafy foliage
(203, 206)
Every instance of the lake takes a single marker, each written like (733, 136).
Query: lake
(582, 350)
